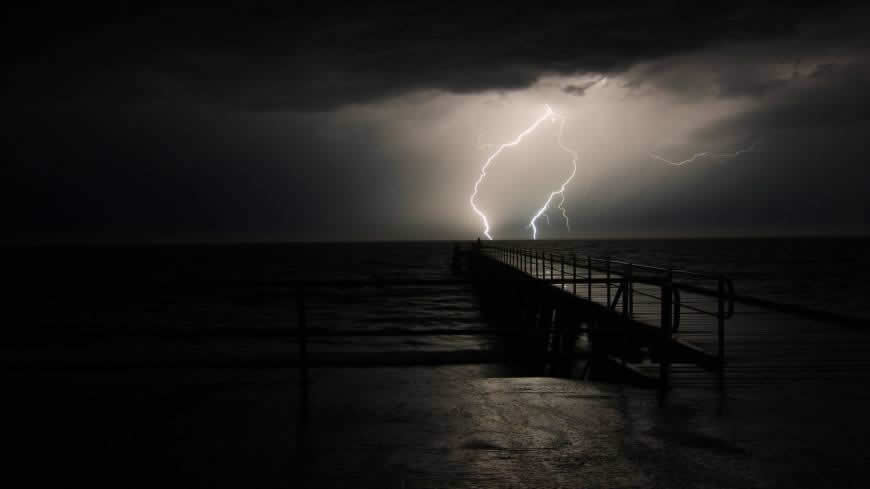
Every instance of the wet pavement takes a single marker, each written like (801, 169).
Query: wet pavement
(448, 426)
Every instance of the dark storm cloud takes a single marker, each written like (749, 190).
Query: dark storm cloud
(579, 89)
(307, 57)
(743, 68)
(159, 120)
(832, 96)
(807, 172)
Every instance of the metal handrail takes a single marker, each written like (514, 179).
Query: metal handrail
(654, 268)
(534, 263)
(527, 252)
(530, 261)
(729, 284)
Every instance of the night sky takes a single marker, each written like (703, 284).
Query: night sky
(319, 122)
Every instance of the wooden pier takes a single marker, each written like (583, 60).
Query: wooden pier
(639, 321)
(663, 327)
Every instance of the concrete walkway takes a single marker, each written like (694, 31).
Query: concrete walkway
(421, 427)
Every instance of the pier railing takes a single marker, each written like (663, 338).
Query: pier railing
(676, 299)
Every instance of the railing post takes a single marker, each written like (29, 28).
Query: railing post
(536, 264)
(562, 262)
(720, 316)
(665, 346)
(574, 267)
(302, 332)
(608, 281)
(589, 277)
(626, 291)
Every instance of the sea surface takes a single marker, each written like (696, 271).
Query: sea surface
(246, 285)
(235, 426)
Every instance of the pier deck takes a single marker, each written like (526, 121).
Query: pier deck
(758, 344)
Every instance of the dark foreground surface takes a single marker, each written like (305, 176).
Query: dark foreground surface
(449, 426)
(88, 399)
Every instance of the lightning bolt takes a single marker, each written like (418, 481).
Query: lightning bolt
(561, 207)
(705, 154)
(561, 191)
(547, 114)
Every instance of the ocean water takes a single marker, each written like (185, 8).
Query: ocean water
(117, 303)
(243, 286)
(240, 426)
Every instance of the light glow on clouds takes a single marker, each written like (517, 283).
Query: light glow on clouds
(438, 138)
